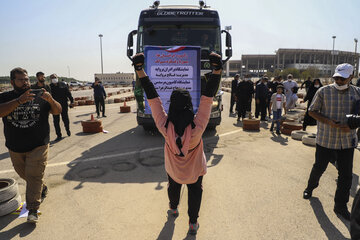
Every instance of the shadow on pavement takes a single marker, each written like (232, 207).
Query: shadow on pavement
(328, 227)
(134, 156)
(167, 231)
(279, 139)
(4, 155)
(21, 230)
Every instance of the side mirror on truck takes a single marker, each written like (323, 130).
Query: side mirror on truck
(130, 44)
(228, 44)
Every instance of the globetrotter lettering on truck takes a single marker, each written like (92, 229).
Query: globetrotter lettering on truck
(170, 68)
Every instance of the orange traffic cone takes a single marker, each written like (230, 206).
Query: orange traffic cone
(92, 117)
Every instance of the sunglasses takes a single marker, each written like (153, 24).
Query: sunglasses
(340, 79)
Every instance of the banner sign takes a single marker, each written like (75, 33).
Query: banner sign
(170, 68)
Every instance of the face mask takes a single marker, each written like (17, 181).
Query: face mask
(54, 80)
(343, 87)
(317, 86)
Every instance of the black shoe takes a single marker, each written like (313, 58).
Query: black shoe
(278, 132)
(271, 129)
(343, 212)
(68, 132)
(97, 116)
(103, 115)
(44, 192)
(32, 216)
(307, 194)
(59, 138)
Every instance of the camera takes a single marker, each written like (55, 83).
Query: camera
(37, 92)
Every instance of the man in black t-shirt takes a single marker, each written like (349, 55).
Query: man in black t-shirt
(25, 115)
(40, 76)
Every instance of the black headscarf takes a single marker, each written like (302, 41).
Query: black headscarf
(181, 112)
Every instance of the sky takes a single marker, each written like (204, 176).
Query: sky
(61, 35)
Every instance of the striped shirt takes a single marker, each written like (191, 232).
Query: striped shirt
(335, 104)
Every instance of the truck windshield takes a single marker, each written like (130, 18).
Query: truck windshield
(208, 37)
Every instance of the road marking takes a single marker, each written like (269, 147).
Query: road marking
(115, 155)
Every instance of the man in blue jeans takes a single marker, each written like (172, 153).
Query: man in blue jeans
(329, 107)
(277, 102)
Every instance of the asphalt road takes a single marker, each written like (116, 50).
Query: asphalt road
(113, 186)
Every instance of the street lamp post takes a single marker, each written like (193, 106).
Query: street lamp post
(102, 67)
(356, 58)
(332, 56)
(227, 28)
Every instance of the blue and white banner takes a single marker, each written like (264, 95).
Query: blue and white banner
(170, 68)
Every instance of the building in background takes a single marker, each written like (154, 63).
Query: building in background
(116, 78)
(300, 59)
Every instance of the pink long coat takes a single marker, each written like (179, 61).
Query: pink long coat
(187, 169)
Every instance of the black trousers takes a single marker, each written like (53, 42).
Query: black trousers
(344, 158)
(194, 197)
(261, 109)
(242, 106)
(232, 102)
(65, 119)
(100, 101)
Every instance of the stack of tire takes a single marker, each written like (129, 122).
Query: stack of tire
(251, 124)
(308, 139)
(288, 127)
(92, 126)
(10, 198)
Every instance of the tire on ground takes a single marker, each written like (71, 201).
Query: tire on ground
(297, 135)
(10, 205)
(292, 125)
(309, 140)
(286, 131)
(8, 189)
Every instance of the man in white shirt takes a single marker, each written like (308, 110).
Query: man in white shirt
(288, 85)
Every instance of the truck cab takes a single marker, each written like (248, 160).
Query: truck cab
(177, 25)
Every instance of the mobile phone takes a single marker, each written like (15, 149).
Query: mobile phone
(37, 92)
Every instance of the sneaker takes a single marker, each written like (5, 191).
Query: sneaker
(44, 192)
(103, 115)
(307, 194)
(97, 116)
(343, 212)
(174, 212)
(32, 216)
(68, 132)
(193, 228)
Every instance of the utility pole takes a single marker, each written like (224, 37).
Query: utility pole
(102, 67)
(332, 56)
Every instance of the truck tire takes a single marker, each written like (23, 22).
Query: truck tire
(10, 205)
(309, 140)
(8, 189)
(297, 135)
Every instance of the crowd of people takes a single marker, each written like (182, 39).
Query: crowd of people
(270, 97)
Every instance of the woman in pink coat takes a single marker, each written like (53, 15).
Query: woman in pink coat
(185, 161)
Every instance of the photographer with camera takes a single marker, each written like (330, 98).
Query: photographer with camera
(334, 137)
(185, 161)
(25, 115)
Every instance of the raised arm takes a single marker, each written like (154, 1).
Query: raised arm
(155, 103)
(203, 115)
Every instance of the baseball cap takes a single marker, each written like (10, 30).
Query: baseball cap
(343, 70)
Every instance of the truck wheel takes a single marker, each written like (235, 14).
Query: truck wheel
(10, 205)
(8, 189)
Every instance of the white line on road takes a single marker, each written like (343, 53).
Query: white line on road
(114, 155)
